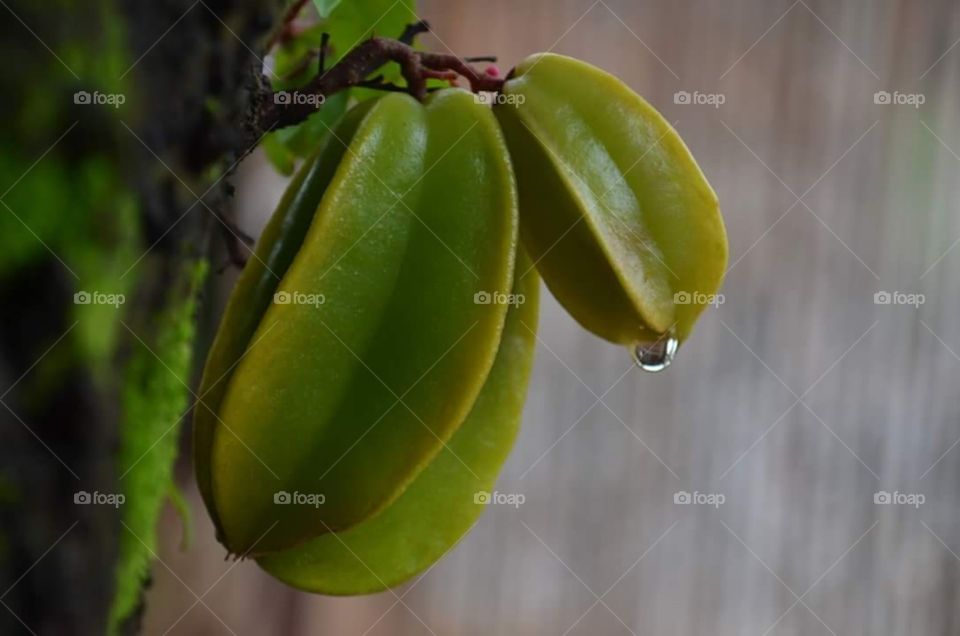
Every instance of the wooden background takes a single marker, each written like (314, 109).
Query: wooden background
(797, 399)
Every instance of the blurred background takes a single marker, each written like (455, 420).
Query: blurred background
(795, 470)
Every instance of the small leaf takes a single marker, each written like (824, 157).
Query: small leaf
(278, 154)
(283, 147)
(325, 7)
(356, 21)
(295, 61)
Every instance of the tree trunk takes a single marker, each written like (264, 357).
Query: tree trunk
(191, 66)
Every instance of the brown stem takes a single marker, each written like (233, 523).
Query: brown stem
(277, 111)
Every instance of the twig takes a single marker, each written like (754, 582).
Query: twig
(415, 66)
(411, 32)
(324, 41)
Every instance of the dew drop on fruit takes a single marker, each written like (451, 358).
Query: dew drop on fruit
(656, 356)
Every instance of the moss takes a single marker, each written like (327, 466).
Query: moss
(154, 403)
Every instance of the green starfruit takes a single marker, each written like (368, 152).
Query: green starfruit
(444, 501)
(355, 346)
(614, 211)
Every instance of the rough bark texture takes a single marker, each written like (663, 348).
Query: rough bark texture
(194, 86)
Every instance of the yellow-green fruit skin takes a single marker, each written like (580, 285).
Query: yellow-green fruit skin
(278, 244)
(614, 211)
(440, 505)
(349, 396)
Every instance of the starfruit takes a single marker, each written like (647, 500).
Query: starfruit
(445, 499)
(357, 342)
(614, 211)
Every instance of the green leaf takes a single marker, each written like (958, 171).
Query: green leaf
(296, 63)
(325, 7)
(279, 156)
(302, 140)
(283, 147)
(353, 22)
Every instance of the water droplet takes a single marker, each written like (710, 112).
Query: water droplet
(656, 356)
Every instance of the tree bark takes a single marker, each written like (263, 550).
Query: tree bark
(193, 82)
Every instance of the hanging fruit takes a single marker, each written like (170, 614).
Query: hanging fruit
(353, 347)
(614, 211)
(366, 382)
